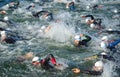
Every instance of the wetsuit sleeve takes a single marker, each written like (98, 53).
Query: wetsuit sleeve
(113, 44)
(49, 62)
(114, 31)
(37, 14)
(90, 16)
(28, 7)
(1, 29)
(91, 72)
(51, 58)
(88, 38)
(18, 3)
(2, 20)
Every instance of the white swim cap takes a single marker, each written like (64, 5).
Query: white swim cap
(87, 7)
(103, 53)
(43, 27)
(3, 33)
(109, 29)
(104, 38)
(87, 19)
(99, 64)
(6, 18)
(7, 5)
(77, 37)
(115, 11)
(103, 45)
(36, 59)
(92, 25)
(32, 4)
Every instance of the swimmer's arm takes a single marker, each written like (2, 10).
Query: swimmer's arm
(88, 16)
(3, 38)
(91, 58)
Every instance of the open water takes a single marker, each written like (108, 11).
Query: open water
(58, 40)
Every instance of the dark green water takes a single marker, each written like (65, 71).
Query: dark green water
(57, 41)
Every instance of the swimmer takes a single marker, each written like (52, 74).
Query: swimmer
(103, 55)
(14, 5)
(109, 44)
(47, 63)
(94, 23)
(24, 57)
(8, 22)
(71, 6)
(9, 38)
(81, 39)
(6, 39)
(96, 6)
(32, 5)
(45, 14)
(45, 29)
(109, 31)
(3, 12)
(96, 70)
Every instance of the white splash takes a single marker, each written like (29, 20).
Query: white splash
(108, 70)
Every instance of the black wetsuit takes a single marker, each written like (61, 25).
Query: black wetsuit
(111, 32)
(96, 21)
(48, 62)
(106, 56)
(15, 6)
(95, 6)
(84, 41)
(43, 12)
(37, 13)
(92, 72)
(10, 40)
(9, 23)
(72, 6)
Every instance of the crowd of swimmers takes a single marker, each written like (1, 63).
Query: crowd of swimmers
(79, 39)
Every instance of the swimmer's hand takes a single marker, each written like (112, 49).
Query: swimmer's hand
(83, 16)
(76, 70)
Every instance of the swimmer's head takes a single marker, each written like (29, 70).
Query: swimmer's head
(99, 64)
(115, 11)
(103, 53)
(88, 20)
(43, 27)
(3, 12)
(104, 38)
(32, 4)
(36, 61)
(3, 33)
(77, 37)
(92, 25)
(36, 58)
(6, 18)
(103, 45)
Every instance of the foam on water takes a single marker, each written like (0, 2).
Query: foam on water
(63, 30)
(109, 70)
(59, 32)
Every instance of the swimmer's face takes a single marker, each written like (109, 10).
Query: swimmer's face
(76, 42)
(36, 63)
(33, 5)
(81, 35)
(88, 22)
